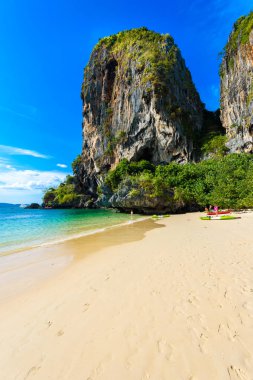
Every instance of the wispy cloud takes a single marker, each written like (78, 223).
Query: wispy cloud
(11, 150)
(22, 110)
(61, 165)
(3, 161)
(29, 180)
(5, 164)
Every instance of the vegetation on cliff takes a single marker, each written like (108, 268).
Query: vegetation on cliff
(145, 46)
(145, 187)
(155, 55)
(225, 181)
(211, 140)
(139, 102)
(69, 194)
(214, 145)
(236, 95)
(240, 34)
(138, 98)
(64, 195)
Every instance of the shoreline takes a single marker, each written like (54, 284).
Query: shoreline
(30, 267)
(166, 299)
(103, 229)
(70, 237)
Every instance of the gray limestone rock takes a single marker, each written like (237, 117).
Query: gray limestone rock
(139, 102)
(237, 87)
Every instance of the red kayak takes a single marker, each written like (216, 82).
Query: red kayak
(219, 212)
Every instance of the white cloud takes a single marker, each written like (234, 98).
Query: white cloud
(26, 186)
(29, 180)
(11, 150)
(62, 165)
(3, 162)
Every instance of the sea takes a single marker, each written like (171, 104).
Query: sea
(22, 228)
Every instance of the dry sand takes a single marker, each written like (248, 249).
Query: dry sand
(154, 300)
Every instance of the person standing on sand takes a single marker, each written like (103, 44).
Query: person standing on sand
(216, 209)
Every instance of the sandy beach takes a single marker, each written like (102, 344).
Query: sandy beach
(164, 300)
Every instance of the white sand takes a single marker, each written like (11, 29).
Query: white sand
(176, 303)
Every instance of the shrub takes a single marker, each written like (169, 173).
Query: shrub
(76, 164)
(226, 181)
(64, 195)
(215, 145)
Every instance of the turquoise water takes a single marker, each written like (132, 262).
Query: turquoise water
(22, 228)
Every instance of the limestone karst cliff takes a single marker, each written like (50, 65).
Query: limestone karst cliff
(139, 102)
(237, 87)
(141, 111)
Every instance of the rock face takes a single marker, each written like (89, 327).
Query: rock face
(33, 206)
(124, 200)
(139, 102)
(237, 87)
(129, 198)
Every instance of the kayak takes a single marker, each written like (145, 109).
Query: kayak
(225, 212)
(219, 217)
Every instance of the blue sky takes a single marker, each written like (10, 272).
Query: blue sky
(43, 49)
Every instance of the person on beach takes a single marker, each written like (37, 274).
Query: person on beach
(216, 209)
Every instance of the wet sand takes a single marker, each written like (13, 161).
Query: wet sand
(171, 299)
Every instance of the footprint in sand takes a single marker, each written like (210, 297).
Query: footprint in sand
(146, 376)
(193, 300)
(248, 306)
(164, 349)
(237, 373)
(227, 331)
(31, 371)
(203, 338)
(86, 307)
(60, 333)
(99, 370)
